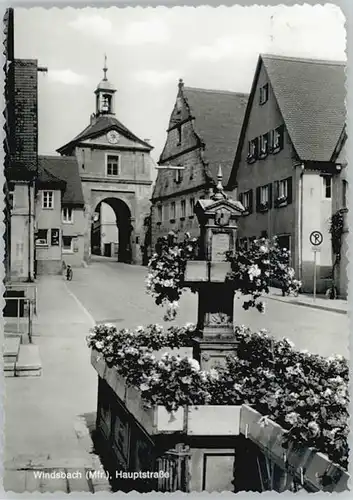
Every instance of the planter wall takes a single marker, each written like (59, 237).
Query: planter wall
(213, 420)
(305, 463)
(315, 469)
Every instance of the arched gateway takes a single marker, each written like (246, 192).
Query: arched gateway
(115, 169)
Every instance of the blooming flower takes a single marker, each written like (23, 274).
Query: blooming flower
(292, 418)
(254, 271)
(194, 364)
(314, 428)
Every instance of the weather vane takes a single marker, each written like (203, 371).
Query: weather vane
(105, 69)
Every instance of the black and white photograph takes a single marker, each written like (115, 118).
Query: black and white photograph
(175, 250)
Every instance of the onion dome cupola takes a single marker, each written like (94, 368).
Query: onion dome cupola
(105, 95)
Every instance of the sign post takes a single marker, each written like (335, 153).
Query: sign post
(316, 239)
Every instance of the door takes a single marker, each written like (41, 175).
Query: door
(107, 250)
(218, 472)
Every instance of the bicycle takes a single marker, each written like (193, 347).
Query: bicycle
(69, 273)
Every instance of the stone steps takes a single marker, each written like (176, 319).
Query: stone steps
(28, 362)
(11, 348)
(21, 360)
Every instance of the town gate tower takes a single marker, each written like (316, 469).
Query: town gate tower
(115, 169)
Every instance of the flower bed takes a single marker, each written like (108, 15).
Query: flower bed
(250, 271)
(306, 394)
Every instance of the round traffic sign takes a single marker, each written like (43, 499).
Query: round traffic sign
(316, 238)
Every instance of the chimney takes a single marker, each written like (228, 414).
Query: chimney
(147, 140)
(92, 118)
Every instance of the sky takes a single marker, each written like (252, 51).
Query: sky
(149, 49)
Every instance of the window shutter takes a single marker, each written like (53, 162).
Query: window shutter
(241, 198)
(276, 189)
(281, 136)
(269, 195)
(256, 142)
(257, 199)
(270, 141)
(290, 190)
(250, 202)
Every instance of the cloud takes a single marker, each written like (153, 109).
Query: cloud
(227, 47)
(66, 76)
(153, 31)
(135, 33)
(222, 48)
(93, 25)
(156, 78)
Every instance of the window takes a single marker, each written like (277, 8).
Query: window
(172, 211)
(263, 144)
(264, 94)
(327, 186)
(178, 176)
(159, 213)
(284, 241)
(48, 199)
(42, 237)
(344, 193)
(246, 200)
(276, 139)
(179, 134)
(112, 165)
(264, 198)
(283, 189)
(183, 208)
(252, 150)
(55, 234)
(191, 206)
(67, 215)
(67, 243)
(264, 195)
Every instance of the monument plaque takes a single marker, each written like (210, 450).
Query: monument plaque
(220, 245)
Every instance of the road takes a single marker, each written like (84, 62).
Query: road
(115, 293)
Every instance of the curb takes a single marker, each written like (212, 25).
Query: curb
(313, 306)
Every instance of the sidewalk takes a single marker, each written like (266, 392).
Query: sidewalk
(338, 305)
(48, 418)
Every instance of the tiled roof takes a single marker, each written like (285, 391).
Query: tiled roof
(64, 170)
(311, 97)
(218, 119)
(98, 127)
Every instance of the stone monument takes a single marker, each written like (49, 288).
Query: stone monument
(218, 218)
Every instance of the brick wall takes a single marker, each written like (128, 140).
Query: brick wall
(26, 113)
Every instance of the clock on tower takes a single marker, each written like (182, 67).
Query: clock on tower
(113, 137)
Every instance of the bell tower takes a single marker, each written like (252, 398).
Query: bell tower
(105, 94)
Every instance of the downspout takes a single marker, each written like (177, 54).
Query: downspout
(301, 206)
(29, 279)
